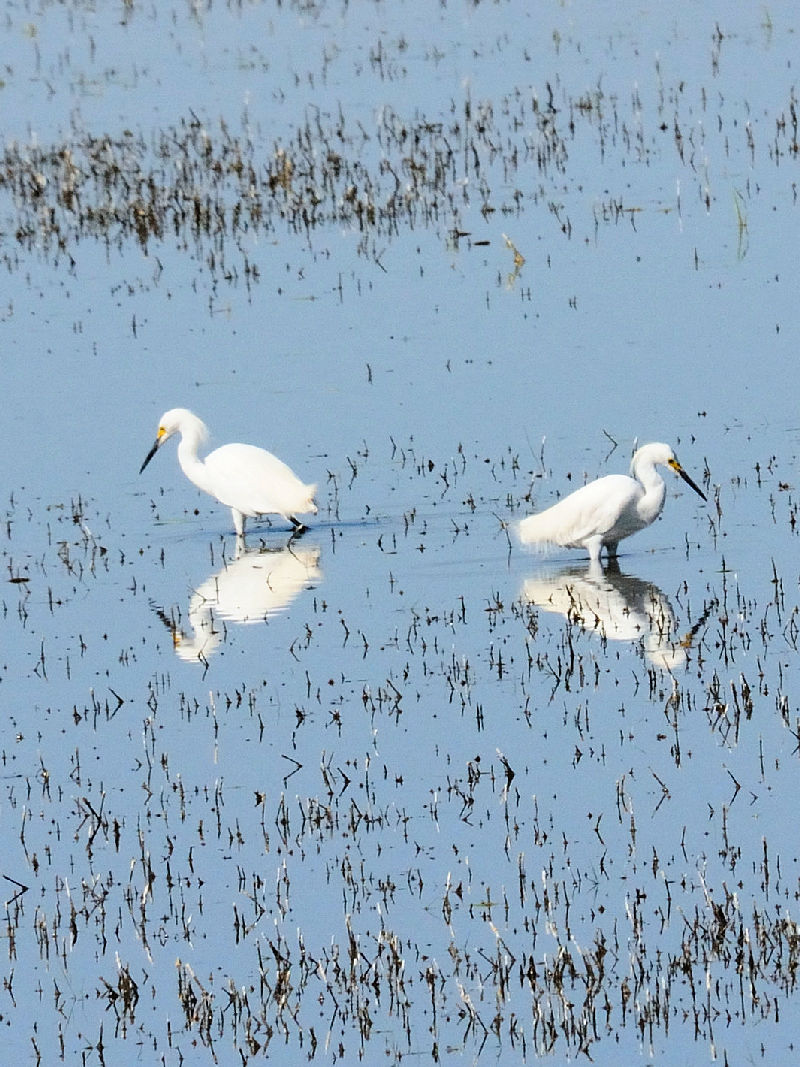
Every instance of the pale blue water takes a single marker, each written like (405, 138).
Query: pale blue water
(444, 798)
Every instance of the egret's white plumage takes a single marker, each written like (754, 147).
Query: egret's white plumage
(248, 480)
(608, 509)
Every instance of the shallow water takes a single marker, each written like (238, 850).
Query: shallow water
(397, 786)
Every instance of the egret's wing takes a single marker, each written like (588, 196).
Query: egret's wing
(591, 510)
(252, 480)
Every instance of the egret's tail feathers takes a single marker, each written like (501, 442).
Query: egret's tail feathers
(531, 537)
(533, 532)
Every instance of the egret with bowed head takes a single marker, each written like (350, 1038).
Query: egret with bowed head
(605, 511)
(248, 480)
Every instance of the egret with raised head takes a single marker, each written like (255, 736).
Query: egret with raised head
(605, 511)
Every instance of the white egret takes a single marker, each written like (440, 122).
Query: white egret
(248, 480)
(608, 509)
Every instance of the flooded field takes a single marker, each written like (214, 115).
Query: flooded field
(398, 787)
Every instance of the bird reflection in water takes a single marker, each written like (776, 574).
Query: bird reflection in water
(252, 587)
(617, 606)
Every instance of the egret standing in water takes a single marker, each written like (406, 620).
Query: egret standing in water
(608, 509)
(249, 480)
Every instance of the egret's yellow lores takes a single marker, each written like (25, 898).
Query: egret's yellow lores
(248, 480)
(608, 509)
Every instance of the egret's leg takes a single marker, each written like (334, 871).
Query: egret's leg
(593, 546)
(611, 548)
(238, 522)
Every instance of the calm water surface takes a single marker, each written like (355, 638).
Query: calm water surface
(398, 787)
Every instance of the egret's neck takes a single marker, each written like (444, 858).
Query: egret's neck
(191, 464)
(652, 502)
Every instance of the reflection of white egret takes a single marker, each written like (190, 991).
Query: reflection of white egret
(607, 509)
(251, 588)
(249, 480)
(617, 606)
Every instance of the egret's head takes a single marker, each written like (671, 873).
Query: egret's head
(672, 462)
(659, 453)
(176, 420)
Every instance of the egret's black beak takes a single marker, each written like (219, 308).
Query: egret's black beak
(154, 449)
(678, 470)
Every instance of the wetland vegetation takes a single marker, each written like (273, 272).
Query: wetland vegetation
(396, 788)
